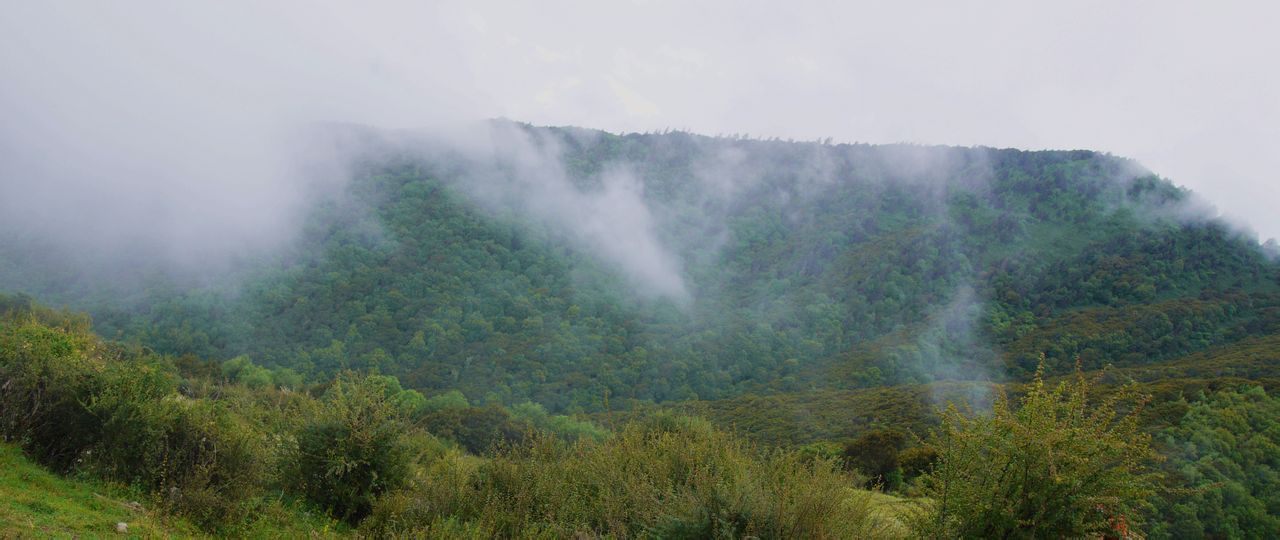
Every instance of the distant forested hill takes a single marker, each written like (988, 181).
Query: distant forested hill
(581, 269)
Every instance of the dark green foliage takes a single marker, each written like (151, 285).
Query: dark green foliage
(1223, 468)
(193, 455)
(478, 429)
(834, 290)
(44, 379)
(564, 426)
(799, 418)
(827, 415)
(197, 446)
(354, 449)
(875, 454)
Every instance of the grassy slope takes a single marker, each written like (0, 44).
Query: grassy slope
(35, 503)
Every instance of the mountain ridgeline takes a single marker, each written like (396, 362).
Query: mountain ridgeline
(583, 270)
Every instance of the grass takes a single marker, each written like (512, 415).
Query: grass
(888, 513)
(35, 503)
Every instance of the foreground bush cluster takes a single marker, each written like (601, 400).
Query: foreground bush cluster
(77, 404)
(356, 448)
(224, 445)
(671, 477)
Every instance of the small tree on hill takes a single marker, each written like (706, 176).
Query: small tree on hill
(875, 454)
(1057, 466)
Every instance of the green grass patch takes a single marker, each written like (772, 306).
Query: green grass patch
(35, 503)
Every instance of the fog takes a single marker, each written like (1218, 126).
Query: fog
(1186, 88)
(184, 132)
(189, 131)
(520, 172)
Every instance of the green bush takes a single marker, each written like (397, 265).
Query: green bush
(451, 399)
(480, 430)
(242, 370)
(198, 460)
(670, 477)
(564, 426)
(74, 403)
(917, 460)
(875, 454)
(353, 450)
(214, 461)
(1059, 466)
(821, 450)
(287, 378)
(45, 377)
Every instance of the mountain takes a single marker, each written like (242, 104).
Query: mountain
(524, 331)
(585, 270)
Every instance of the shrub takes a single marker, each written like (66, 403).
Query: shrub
(122, 419)
(211, 465)
(242, 370)
(917, 460)
(1224, 467)
(45, 377)
(480, 430)
(875, 453)
(670, 477)
(1059, 466)
(451, 399)
(822, 450)
(353, 450)
(196, 458)
(287, 378)
(566, 427)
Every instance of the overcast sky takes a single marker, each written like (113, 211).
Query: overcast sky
(1191, 90)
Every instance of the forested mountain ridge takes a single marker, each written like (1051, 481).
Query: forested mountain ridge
(816, 307)
(574, 267)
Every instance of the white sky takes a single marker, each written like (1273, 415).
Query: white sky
(1192, 90)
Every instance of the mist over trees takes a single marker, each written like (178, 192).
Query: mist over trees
(480, 269)
(493, 311)
(788, 266)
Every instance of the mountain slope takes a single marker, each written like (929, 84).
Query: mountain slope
(575, 267)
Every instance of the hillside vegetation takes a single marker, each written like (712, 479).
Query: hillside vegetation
(242, 460)
(205, 455)
(576, 332)
(800, 266)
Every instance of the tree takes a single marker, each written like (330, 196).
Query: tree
(875, 454)
(1061, 465)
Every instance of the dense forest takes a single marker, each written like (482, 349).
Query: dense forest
(455, 329)
(800, 266)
